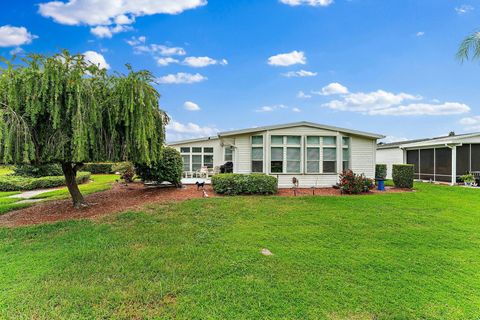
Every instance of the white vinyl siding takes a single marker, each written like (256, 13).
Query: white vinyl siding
(390, 157)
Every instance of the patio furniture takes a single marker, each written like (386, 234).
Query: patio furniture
(476, 174)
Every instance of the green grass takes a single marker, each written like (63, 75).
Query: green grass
(394, 256)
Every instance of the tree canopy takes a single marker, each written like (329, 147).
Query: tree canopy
(63, 109)
(470, 47)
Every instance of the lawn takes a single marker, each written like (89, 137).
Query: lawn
(396, 256)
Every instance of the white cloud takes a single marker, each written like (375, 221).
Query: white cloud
(17, 50)
(420, 34)
(180, 131)
(288, 59)
(15, 36)
(271, 108)
(108, 12)
(181, 78)
(333, 88)
(96, 58)
(162, 62)
(159, 49)
(471, 123)
(391, 139)
(135, 41)
(296, 110)
(313, 3)
(200, 62)
(303, 95)
(109, 31)
(300, 73)
(384, 103)
(191, 106)
(464, 8)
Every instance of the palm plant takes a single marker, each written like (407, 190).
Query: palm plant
(470, 47)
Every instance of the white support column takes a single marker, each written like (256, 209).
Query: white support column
(454, 165)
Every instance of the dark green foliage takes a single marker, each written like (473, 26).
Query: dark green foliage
(380, 171)
(352, 183)
(18, 183)
(402, 175)
(235, 184)
(169, 168)
(37, 171)
(99, 167)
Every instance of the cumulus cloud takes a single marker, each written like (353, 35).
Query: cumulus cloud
(464, 8)
(303, 95)
(191, 106)
(181, 78)
(200, 62)
(179, 131)
(288, 59)
(313, 3)
(111, 15)
(385, 103)
(391, 139)
(471, 123)
(276, 107)
(15, 36)
(96, 58)
(296, 110)
(162, 62)
(420, 34)
(300, 74)
(332, 89)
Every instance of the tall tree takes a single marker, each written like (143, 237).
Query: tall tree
(470, 47)
(61, 109)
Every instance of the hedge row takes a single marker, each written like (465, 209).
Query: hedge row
(403, 175)
(99, 167)
(17, 183)
(169, 168)
(235, 184)
(380, 171)
(37, 171)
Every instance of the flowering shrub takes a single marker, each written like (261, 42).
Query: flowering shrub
(352, 183)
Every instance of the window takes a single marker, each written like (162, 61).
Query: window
(184, 150)
(257, 140)
(186, 162)
(197, 149)
(277, 160)
(313, 140)
(277, 139)
(413, 157)
(293, 160)
(293, 140)
(329, 141)
(427, 164)
(196, 162)
(228, 154)
(313, 160)
(207, 150)
(257, 159)
(345, 153)
(329, 160)
(208, 160)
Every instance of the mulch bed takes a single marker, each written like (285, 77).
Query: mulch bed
(121, 198)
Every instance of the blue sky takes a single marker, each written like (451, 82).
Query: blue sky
(382, 66)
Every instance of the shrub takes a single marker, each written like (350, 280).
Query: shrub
(169, 168)
(36, 171)
(18, 183)
(352, 183)
(402, 175)
(381, 171)
(99, 168)
(234, 184)
(126, 170)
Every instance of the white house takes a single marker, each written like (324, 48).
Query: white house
(313, 153)
(442, 159)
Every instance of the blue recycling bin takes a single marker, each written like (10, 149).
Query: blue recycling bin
(380, 184)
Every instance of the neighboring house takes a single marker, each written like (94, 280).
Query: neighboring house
(442, 159)
(313, 153)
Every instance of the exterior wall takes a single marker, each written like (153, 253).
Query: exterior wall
(390, 157)
(363, 156)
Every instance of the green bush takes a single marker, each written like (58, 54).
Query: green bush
(234, 184)
(99, 168)
(402, 175)
(169, 168)
(18, 183)
(381, 171)
(37, 171)
(352, 183)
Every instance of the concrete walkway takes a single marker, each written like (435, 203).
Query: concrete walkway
(32, 193)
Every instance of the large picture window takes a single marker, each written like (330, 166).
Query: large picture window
(286, 154)
(293, 160)
(329, 160)
(313, 159)
(194, 158)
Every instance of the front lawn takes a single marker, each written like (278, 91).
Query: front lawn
(395, 256)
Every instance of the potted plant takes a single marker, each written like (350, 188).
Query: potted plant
(468, 179)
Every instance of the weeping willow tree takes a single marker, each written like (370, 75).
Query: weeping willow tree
(470, 47)
(61, 109)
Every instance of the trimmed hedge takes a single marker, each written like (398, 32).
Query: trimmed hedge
(402, 175)
(99, 168)
(37, 171)
(235, 184)
(17, 183)
(380, 171)
(169, 168)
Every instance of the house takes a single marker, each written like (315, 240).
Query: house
(442, 159)
(313, 153)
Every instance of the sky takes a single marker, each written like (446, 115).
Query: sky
(387, 67)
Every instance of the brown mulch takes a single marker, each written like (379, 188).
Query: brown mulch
(289, 192)
(121, 198)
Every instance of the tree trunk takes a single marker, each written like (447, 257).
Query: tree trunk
(70, 173)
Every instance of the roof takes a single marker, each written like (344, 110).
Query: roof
(428, 141)
(302, 123)
(192, 140)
